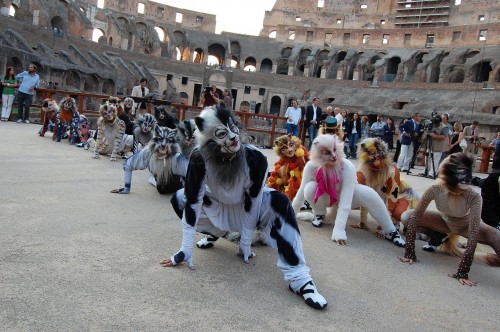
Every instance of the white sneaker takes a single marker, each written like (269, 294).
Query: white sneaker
(19, 121)
(27, 121)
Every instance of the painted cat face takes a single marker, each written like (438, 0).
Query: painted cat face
(68, 103)
(165, 141)
(287, 145)
(109, 111)
(373, 151)
(327, 150)
(218, 127)
(147, 122)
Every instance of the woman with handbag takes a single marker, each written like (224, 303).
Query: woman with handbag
(9, 83)
(458, 136)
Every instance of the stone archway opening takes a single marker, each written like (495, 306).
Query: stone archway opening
(97, 34)
(73, 79)
(481, 72)
(266, 66)
(392, 68)
(198, 55)
(91, 83)
(250, 64)
(275, 108)
(218, 51)
(109, 87)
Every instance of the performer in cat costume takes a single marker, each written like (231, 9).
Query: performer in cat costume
(225, 191)
(111, 137)
(378, 172)
(329, 179)
(166, 157)
(143, 131)
(287, 173)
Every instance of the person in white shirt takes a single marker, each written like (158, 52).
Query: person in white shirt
(293, 115)
(140, 90)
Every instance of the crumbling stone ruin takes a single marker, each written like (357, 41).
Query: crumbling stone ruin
(391, 57)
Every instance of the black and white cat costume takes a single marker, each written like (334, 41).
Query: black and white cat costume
(164, 160)
(143, 131)
(225, 191)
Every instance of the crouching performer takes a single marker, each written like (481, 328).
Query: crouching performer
(329, 180)
(225, 191)
(458, 212)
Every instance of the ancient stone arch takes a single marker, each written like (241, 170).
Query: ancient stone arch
(91, 83)
(73, 79)
(219, 80)
(57, 22)
(275, 108)
(218, 51)
(392, 68)
(108, 87)
(266, 65)
(198, 55)
(249, 62)
(352, 64)
(235, 51)
(480, 72)
(301, 61)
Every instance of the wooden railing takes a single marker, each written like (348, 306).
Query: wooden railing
(273, 124)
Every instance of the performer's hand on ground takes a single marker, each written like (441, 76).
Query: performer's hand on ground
(96, 156)
(463, 281)
(342, 243)
(406, 260)
(246, 254)
(169, 263)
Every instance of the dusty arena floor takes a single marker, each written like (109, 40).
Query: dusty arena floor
(74, 257)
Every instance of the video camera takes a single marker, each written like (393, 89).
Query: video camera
(429, 125)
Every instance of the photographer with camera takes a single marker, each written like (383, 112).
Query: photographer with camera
(438, 133)
(210, 97)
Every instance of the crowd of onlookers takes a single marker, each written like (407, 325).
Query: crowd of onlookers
(403, 140)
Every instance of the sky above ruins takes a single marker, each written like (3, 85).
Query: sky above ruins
(232, 15)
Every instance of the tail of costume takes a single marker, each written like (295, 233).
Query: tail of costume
(455, 248)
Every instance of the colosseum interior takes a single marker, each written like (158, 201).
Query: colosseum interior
(392, 57)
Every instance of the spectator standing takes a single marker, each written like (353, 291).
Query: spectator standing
(471, 135)
(398, 142)
(9, 83)
(439, 145)
(312, 120)
(210, 97)
(365, 127)
(338, 115)
(457, 137)
(29, 81)
(329, 113)
(293, 115)
(389, 132)
(354, 131)
(142, 91)
(228, 101)
(497, 138)
(409, 137)
(377, 127)
(445, 119)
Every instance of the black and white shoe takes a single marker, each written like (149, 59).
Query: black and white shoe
(305, 206)
(429, 247)
(396, 238)
(208, 241)
(311, 295)
(318, 220)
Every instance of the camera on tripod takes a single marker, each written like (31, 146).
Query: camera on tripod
(429, 125)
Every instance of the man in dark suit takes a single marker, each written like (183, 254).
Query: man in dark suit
(409, 132)
(312, 120)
